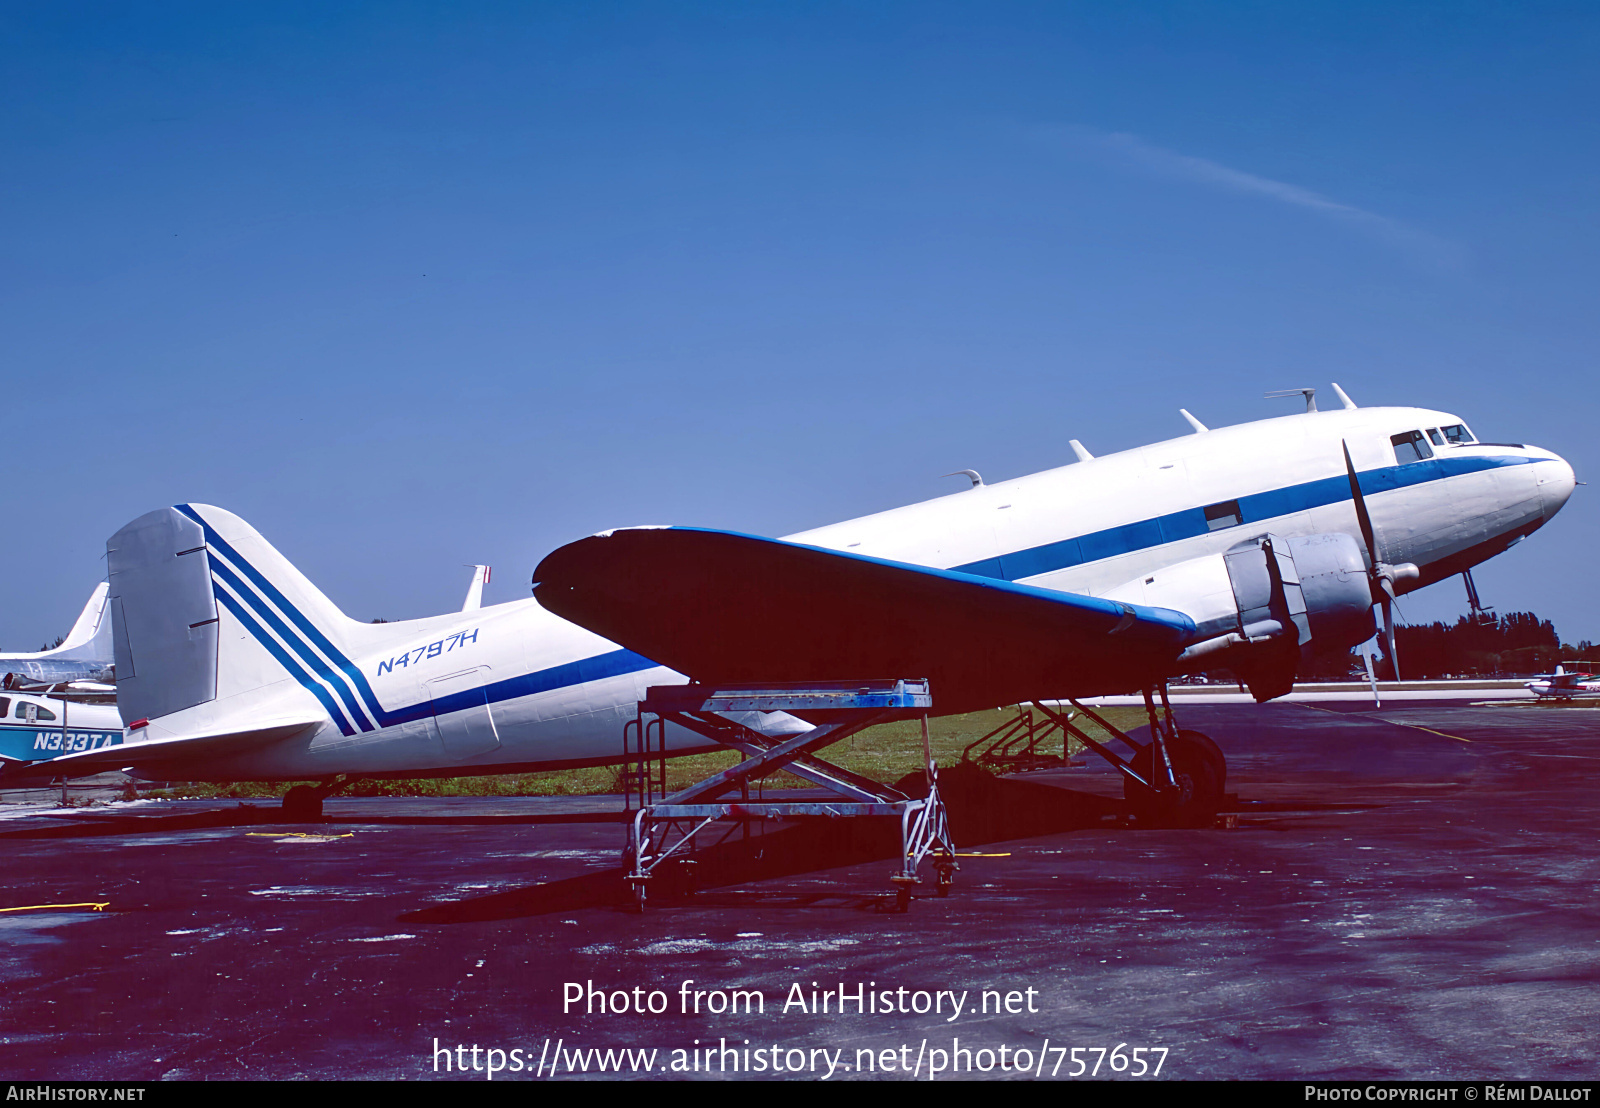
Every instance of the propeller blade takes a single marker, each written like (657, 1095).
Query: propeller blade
(1388, 633)
(1362, 517)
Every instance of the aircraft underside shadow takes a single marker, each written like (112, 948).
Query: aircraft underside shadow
(268, 814)
(982, 809)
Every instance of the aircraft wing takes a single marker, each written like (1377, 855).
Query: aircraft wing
(722, 606)
(162, 755)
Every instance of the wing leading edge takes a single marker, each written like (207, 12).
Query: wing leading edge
(723, 606)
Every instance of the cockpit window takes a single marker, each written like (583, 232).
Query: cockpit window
(1457, 433)
(1433, 434)
(1410, 446)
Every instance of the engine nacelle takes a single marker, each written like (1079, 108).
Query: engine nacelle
(1265, 605)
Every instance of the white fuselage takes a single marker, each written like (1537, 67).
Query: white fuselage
(513, 687)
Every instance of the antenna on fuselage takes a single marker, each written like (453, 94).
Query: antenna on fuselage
(1309, 394)
(474, 601)
(971, 474)
(1078, 449)
(1344, 398)
(1193, 422)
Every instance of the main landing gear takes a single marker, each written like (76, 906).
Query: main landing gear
(1177, 779)
(305, 801)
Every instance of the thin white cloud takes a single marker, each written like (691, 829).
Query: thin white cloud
(1134, 151)
(1209, 172)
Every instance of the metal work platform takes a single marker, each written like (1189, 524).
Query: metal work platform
(1020, 743)
(665, 827)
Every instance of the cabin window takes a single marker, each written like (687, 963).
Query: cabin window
(1457, 434)
(32, 712)
(1222, 515)
(1433, 433)
(5, 706)
(1410, 446)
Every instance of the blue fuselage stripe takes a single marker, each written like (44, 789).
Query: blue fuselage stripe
(307, 628)
(317, 665)
(286, 660)
(617, 663)
(1191, 522)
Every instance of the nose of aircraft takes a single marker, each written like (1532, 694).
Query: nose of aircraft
(1556, 480)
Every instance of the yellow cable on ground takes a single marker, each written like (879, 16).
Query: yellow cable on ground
(99, 906)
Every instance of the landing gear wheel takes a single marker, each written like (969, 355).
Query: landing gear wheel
(1214, 757)
(1197, 765)
(947, 877)
(302, 802)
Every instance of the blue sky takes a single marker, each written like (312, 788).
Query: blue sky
(410, 286)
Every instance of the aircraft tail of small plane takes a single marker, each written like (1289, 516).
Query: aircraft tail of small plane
(90, 637)
(175, 573)
(85, 654)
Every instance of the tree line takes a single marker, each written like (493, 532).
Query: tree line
(1517, 644)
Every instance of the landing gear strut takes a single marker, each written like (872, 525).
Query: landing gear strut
(1177, 779)
(1192, 798)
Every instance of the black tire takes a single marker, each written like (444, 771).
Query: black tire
(1214, 757)
(302, 802)
(1195, 762)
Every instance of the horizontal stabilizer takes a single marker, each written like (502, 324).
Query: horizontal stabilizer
(172, 754)
(721, 606)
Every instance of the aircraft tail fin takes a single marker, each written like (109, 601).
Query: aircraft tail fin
(480, 578)
(205, 609)
(92, 630)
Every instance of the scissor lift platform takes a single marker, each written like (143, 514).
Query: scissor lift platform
(664, 828)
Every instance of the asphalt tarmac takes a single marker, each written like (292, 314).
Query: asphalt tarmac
(1407, 893)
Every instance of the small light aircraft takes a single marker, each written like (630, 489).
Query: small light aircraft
(1565, 683)
(1249, 547)
(35, 726)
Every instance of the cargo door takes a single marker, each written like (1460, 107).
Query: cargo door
(461, 711)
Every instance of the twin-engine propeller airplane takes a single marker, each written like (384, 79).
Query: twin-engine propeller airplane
(1249, 547)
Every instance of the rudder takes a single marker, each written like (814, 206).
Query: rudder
(163, 615)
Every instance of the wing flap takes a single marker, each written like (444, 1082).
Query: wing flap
(721, 606)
